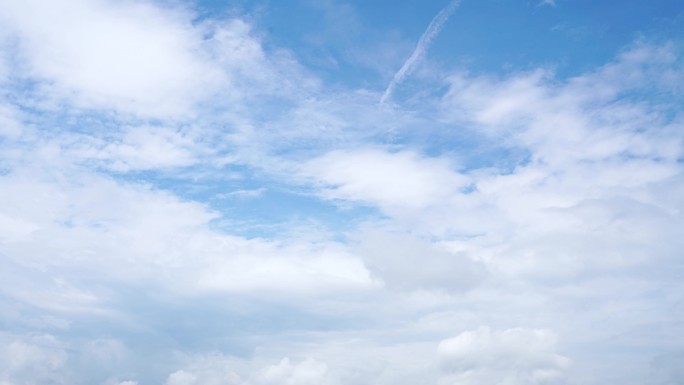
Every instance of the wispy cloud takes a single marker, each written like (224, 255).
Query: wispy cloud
(430, 33)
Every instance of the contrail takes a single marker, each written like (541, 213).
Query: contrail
(423, 44)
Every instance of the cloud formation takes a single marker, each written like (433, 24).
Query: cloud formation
(400, 179)
(187, 198)
(134, 57)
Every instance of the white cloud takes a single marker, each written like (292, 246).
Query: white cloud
(251, 70)
(132, 232)
(512, 357)
(320, 357)
(204, 376)
(390, 180)
(181, 377)
(581, 119)
(132, 56)
(593, 161)
(299, 269)
(140, 58)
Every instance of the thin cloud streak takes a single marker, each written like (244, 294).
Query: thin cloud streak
(430, 33)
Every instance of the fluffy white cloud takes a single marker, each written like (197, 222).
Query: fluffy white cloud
(141, 58)
(582, 119)
(511, 357)
(389, 180)
(132, 56)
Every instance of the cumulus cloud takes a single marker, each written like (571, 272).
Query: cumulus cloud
(388, 179)
(513, 356)
(142, 59)
(566, 131)
(136, 57)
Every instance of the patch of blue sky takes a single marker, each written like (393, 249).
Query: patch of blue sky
(489, 36)
(276, 209)
(503, 36)
(253, 205)
(466, 145)
(51, 119)
(325, 37)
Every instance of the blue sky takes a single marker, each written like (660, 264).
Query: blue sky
(341, 192)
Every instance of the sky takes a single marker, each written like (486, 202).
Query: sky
(330, 192)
